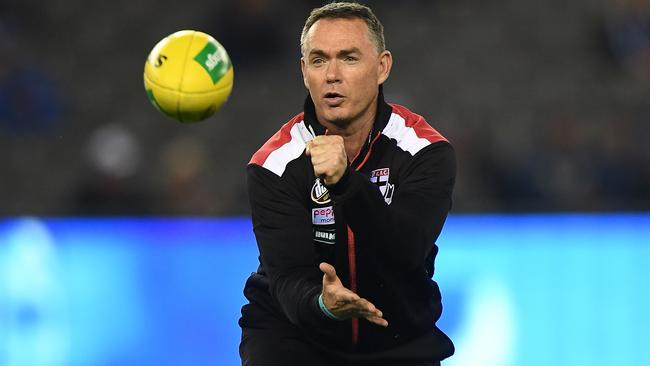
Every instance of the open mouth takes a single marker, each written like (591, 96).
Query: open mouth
(333, 99)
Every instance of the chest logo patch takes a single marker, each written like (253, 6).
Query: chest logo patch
(322, 215)
(380, 178)
(319, 193)
(325, 236)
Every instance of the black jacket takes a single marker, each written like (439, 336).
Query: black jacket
(377, 226)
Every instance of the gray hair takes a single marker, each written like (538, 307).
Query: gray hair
(346, 10)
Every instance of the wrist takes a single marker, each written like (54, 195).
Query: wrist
(325, 310)
(341, 183)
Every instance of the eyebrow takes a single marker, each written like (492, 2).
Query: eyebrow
(319, 52)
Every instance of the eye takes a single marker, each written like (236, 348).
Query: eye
(350, 59)
(317, 61)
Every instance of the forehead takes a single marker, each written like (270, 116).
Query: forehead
(339, 33)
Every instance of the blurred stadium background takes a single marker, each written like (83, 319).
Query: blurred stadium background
(544, 259)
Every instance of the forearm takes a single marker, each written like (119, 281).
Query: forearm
(283, 234)
(297, 293)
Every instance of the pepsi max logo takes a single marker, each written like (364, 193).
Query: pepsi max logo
(322, 215)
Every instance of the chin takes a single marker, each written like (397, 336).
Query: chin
(340, 122)
(337, 119)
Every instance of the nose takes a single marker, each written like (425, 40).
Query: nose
(332, 73)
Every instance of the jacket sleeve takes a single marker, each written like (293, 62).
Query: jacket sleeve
(284, 238)
(404, 231)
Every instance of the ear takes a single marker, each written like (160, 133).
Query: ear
(385, 65)
(304, 76)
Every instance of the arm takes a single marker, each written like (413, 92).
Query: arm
(283, 232)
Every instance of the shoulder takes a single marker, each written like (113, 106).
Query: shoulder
(286, 145)
(410, 130)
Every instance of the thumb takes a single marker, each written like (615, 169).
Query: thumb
(329, 271)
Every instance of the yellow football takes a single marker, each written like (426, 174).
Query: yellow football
(188, 76)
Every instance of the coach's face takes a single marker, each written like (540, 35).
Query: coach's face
(342, 70)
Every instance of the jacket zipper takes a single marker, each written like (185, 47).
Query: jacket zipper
(352, 256)
(352, 265)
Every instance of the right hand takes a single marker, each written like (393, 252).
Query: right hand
(328, 157)
(344, 303)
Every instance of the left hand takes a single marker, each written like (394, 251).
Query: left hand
(328, 157)
(344, 303)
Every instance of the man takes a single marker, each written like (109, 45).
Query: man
(347, 201)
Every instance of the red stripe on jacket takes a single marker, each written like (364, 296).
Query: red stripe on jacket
(276, 141)
(418, 124)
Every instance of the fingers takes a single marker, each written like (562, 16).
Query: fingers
(377, 320)
(326, 140)
(366, 308)
(329, 271)
(350, 305)
(372, 314)
(325, 156)
(368, 311)
(322, 141)
(328, 157)
(326, 144)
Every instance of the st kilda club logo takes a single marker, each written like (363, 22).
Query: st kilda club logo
(380, 178)
(319, 193)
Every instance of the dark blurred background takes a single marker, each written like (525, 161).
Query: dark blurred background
(547, 103)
